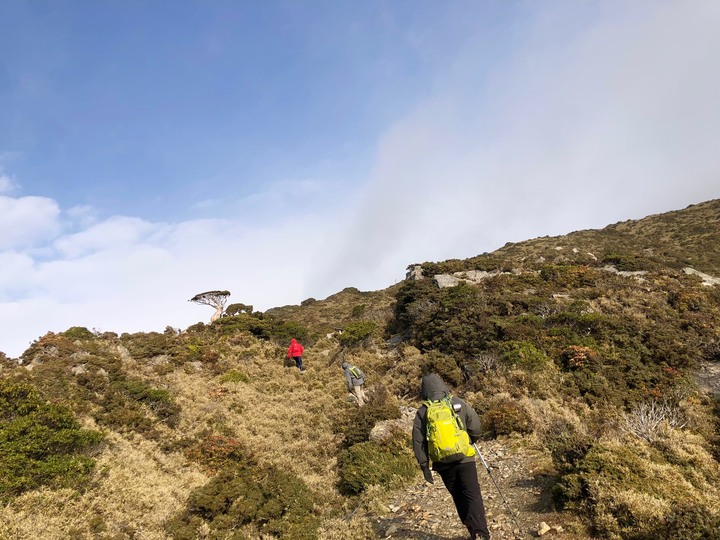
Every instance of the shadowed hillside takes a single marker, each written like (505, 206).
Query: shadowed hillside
(582, 354)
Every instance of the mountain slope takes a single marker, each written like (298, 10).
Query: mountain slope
(579, 352)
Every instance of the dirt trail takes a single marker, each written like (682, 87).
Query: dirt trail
(426, 512)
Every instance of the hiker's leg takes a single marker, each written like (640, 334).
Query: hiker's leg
(453, 484)
(359, 395)
(356, 392)
(475, 519)
(298, 363)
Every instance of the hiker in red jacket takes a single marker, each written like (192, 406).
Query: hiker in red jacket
(295, 352)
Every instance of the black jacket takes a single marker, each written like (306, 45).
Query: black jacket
(433, 388)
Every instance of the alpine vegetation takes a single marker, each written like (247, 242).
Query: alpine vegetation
(581, 372)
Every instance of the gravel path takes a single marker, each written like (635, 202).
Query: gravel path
(426, 511)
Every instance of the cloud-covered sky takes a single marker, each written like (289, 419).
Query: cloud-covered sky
(284, 150)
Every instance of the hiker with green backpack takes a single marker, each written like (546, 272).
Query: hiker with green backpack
(355, 382)
(444, 432)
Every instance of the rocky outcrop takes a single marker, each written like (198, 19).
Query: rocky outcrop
(414, 273)
(468, 276)
(707, 279)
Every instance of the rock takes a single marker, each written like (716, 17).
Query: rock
(414, 273)
(80, 369)
(392, 529)
(387, 429)
(543, 529)
(707, 279)
(446, 280)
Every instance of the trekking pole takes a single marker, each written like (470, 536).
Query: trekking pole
(507, 505)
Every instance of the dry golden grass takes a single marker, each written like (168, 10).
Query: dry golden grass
(136, 488)
(286, 416)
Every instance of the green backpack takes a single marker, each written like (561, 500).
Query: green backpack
(448, 442)
(357, 372)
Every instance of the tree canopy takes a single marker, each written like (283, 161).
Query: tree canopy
(216, 299)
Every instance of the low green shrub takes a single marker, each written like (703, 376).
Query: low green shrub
(40, 443)
(264, 497)
(628, 490)
(78, 332)
(234, 376)
(369, 463)
(523, 355)
(356, 332)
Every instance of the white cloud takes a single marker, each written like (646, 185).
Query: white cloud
(127, 274)
(577, 130)
(27, 220)
(7, 184)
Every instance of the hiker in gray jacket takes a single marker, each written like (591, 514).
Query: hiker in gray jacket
(460, 478)
(355, 382)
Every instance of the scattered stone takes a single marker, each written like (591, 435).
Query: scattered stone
(79, 369)
(392, 529)
(543, 529)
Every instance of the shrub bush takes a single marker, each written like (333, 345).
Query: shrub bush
(523, 355)
(628, 489)
(369, 463)
(78, 332)
(356, 423)
(235, 376)
(40, 443)
(505, 417)
(217, 452)
(265, 497)
(443, 365)
(356, 332)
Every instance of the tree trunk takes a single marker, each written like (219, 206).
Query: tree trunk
(218, 313)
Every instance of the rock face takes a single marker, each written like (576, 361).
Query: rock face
(414, 273)
(708, 280)
(469, 276)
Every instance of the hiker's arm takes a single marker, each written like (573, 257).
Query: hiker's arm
(419, 442)
(472, 422)
(348, 378)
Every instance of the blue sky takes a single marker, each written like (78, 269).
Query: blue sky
(282, 150)
(156, 108)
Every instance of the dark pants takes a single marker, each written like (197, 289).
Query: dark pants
(462, 482)
(298, 362)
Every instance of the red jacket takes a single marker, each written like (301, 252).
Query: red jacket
(295, 349)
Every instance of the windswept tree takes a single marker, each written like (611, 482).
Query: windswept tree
(216, 299)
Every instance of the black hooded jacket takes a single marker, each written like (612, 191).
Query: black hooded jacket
(434, 388)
